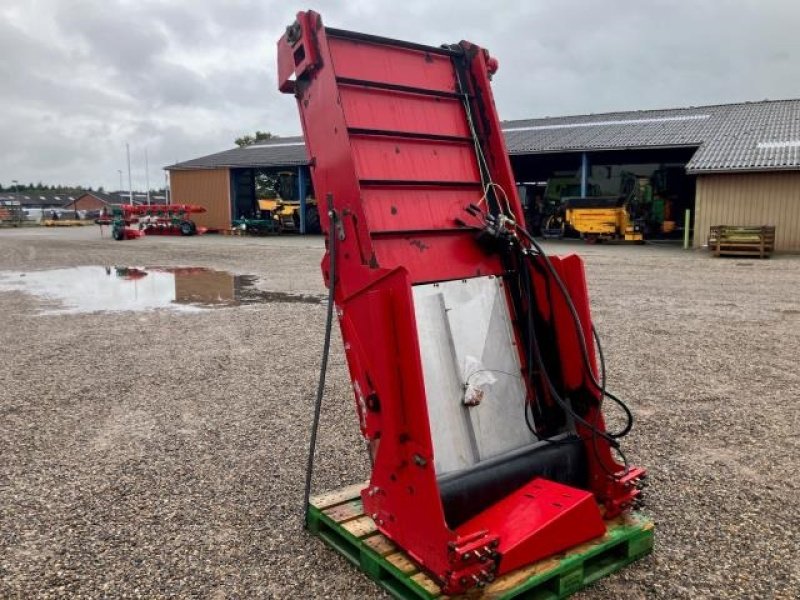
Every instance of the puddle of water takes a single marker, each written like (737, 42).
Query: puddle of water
(98, 289)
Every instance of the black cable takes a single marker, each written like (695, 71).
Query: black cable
(607, 394)
(491, 220)
(579, 331)
(594, 427)
(535, 352)
(600, 356)
(497, 222)
(557, 397)
(629, 415)
(533, 349)
(323, 369)
(525, 282)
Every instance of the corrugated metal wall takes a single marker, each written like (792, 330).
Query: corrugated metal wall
(750, 199)
(206, 187)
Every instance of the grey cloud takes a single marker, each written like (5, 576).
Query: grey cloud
(184, 78)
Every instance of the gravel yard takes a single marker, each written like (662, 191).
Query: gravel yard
(157, 453)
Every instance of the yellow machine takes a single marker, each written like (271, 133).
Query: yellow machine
(285, 207)
(601, 218)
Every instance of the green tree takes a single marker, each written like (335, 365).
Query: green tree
(249, 140)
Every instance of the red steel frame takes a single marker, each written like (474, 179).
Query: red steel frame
(162, 218)
(386, 128)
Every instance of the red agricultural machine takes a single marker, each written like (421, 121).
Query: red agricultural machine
(471, 353)
(131, 221)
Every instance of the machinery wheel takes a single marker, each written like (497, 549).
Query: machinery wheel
(188, 228)
(554, 227)
(312, 219)
(118, 233)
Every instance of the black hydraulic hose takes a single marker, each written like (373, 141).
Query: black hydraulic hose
(323, 369)
(561, 402)
(628, 414)
(609, 437)
(581, 341)
(600, 355)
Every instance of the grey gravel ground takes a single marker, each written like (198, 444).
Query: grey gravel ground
(154, 454)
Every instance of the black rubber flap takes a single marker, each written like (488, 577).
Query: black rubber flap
(468, 492)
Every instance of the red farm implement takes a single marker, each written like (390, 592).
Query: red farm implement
(132, 221)
(471, 353)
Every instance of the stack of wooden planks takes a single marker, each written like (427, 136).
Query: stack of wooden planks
(742, 240)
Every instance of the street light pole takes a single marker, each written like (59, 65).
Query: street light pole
(130, 182)
(120, 180)
(147, 176)
(166, 187)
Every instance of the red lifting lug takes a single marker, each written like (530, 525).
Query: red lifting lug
(298, 54)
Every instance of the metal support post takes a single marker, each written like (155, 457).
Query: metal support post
(584, 174)
(301, 194)
(686, 223)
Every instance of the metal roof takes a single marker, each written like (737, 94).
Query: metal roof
(276, 152)
(611, 131)
(37, 198)
(749, 136)
(121, 197)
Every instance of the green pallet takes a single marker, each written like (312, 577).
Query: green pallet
(338, 518)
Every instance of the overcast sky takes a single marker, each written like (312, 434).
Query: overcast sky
(184, 78)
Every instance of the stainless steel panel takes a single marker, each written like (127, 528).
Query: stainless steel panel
(468, 351)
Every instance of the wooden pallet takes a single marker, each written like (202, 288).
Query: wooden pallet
(234, 231)
(338, 518)
(730, 240)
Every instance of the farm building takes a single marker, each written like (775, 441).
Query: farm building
(729, 164)
(226, 183)
(36, 199)
(38, 202)
(91, 201)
